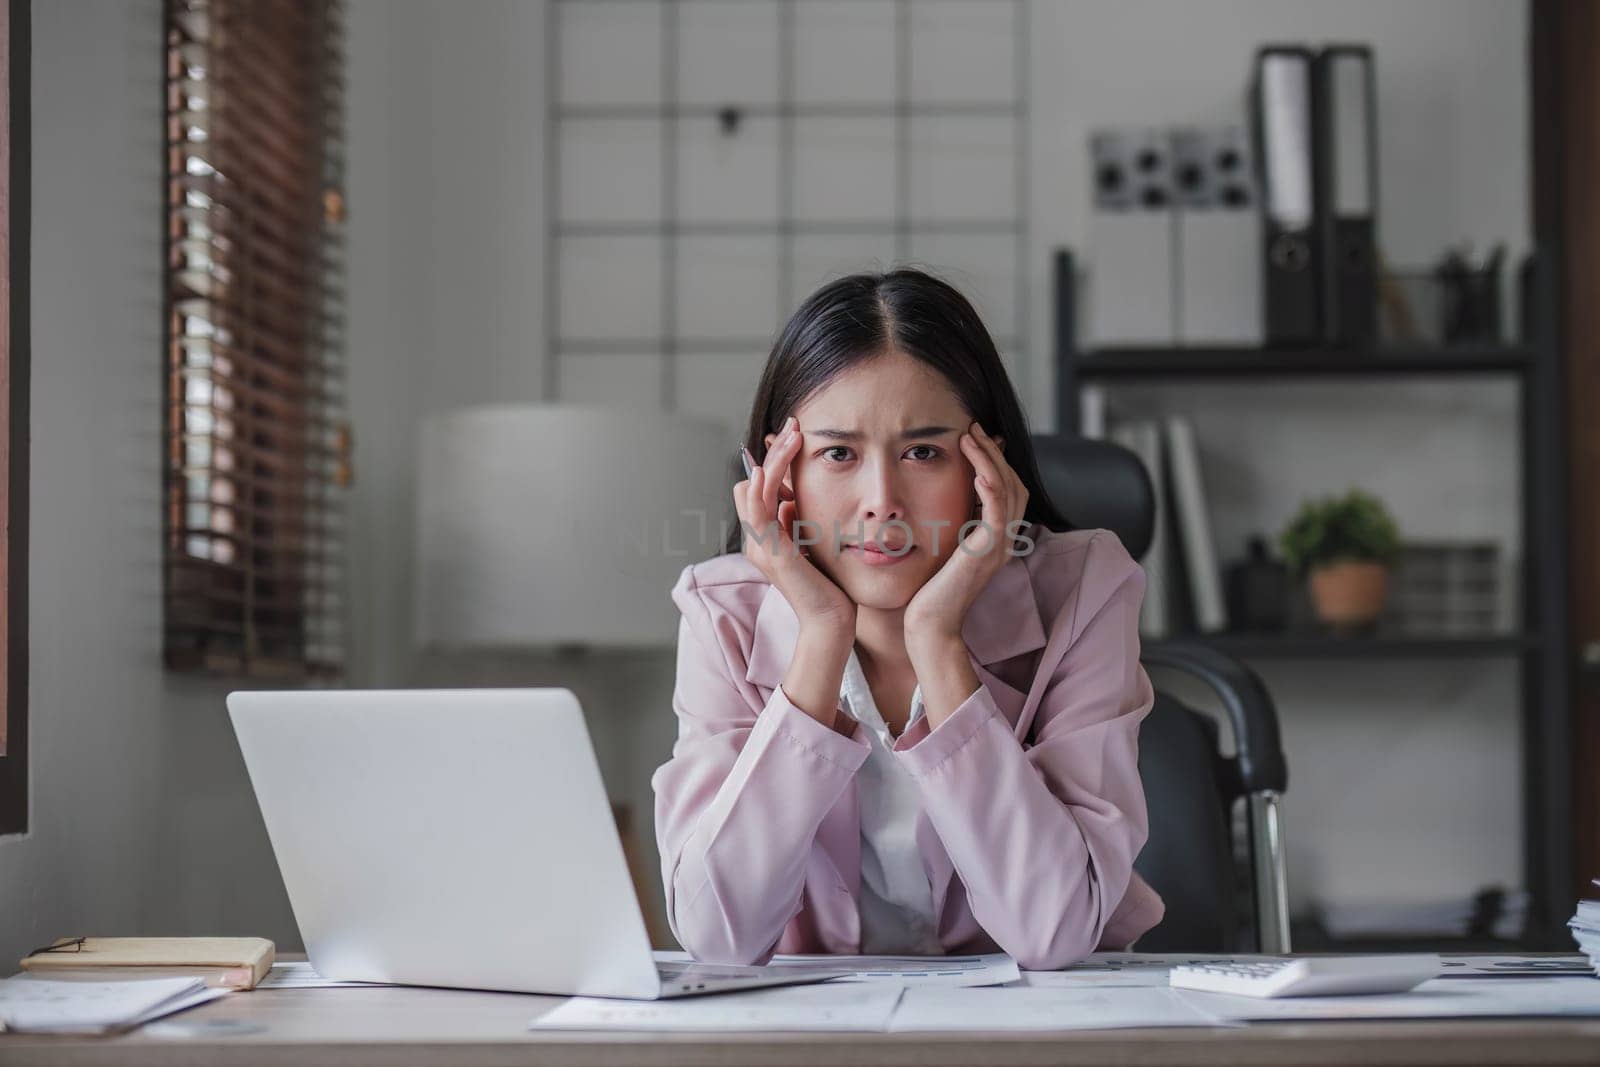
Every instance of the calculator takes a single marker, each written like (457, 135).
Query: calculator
(1302, 976)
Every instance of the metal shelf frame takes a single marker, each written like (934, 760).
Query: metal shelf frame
(1539, 651)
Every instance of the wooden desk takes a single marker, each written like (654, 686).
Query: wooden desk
(405, 1025)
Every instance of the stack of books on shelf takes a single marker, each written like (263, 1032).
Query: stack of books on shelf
(1183, 573)
(1586, 929)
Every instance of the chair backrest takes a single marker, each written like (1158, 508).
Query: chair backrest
(1098, 486)
(1188, 857)
(1190, 787)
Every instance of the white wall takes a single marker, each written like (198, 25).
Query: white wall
(445, 174)
(446, 184)
(141, 818)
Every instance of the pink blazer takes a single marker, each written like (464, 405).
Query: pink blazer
(1028, 832)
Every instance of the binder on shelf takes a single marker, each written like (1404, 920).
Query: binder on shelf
(1194, 528)
(1346, 154)
(1142, 437)
(1282, 125)
(1092, 412)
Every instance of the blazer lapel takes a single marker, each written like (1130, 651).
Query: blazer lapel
(1004, 623)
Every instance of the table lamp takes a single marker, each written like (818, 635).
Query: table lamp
(559, 525)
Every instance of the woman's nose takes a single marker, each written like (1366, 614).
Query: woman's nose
(881, 498)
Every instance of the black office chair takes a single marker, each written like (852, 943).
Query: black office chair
(1190, 786)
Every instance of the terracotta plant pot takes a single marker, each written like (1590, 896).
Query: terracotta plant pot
(1349, 594)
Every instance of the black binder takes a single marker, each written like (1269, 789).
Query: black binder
(1282, 125)
(1347, 183)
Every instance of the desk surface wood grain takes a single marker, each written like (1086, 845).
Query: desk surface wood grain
(408, 1025)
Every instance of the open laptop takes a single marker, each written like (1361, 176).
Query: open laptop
(457, 838)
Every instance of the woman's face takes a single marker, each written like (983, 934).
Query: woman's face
(879, 461)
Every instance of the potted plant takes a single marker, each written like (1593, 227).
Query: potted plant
(1344, 546)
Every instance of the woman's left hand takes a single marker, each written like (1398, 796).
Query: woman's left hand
(935, 614)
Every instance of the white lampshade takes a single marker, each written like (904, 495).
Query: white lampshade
(543, 525)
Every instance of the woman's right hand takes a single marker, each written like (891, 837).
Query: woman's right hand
(766, 510)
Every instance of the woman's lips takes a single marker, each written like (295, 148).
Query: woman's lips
(873, 558)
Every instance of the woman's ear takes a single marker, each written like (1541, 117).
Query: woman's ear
(1001, 441)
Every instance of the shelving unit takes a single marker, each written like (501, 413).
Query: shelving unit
(1175, 363)
(1539, 649)
(1313, 645)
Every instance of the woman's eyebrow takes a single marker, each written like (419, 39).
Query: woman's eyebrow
(856, 435)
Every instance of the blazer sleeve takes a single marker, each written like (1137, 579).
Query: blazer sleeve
(739, 802)
(1044, 836)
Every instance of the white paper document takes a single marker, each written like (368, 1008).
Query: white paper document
(1512, 966)
(33, 1005)
(809, 1007)
(1128, 969)
(1097, 978)
(1024, 1008)
(1433, 999)
(297, 974)
(1151, 968)
(1162, 961)
(993, 969)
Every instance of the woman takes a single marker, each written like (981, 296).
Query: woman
(859, 765)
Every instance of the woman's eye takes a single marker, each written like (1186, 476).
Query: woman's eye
(922, 453)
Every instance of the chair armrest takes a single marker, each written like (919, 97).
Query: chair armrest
(1250, 709)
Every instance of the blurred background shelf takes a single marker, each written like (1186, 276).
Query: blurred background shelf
(1109, 363)
(1537, 647)
(1312, 644)
(1311, 938)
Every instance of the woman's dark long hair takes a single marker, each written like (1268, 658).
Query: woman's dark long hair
(862, 316)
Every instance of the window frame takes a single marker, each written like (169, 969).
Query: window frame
(15, 162)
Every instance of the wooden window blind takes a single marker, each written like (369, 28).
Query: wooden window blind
(258, 446)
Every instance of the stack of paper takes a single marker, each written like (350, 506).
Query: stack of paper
(787, 1008)
(1437, 998)
(887, 1007)
(897, 993)
(81, 1007)
(297, 974)
(1586, 929)
(934, 1009)
(995, 968)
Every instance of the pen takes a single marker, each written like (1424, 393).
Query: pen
(744, 457)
